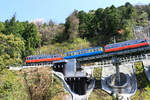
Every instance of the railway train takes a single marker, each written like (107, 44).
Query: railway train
(38, 59)
(125, 45)
(88, 52)
(83, 53)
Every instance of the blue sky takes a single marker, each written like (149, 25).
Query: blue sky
(56, 10)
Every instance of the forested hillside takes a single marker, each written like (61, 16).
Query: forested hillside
(80, 30)
(93, 28)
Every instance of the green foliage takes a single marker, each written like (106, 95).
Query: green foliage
(85, 25)
(143, 83)
(13, 27)
(100, 24)
(98, 94)
(11, 49)
(2, 27)
(24, 30)
(143, 9)
(12, 86)
(97, 73)
(59, 48)
(32, 40)
(71, 27)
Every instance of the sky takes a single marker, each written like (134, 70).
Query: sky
(56, 10)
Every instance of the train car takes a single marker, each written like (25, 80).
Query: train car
(126, 45)
(83, 53)
(38, 59)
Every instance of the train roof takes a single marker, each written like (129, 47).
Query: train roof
(83, 49)
(41, 55)
(123, 42)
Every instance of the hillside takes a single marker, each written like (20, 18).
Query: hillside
(80, 30)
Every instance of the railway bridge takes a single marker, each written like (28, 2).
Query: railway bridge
(117, 77)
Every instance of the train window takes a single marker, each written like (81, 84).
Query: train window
(100, 49)
(91, 50)
(80, 52)
(69, 54)
(66, 54)
(86, 51)
(94, 49)
(74, 53)
(83, 51)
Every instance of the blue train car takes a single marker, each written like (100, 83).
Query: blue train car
(83, 53)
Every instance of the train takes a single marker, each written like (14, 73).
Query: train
(83, 53)
(45, 59)
(126, 45)
(36, 59)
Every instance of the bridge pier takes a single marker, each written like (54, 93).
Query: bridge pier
(146, 65)
(75, 81)
(127, 86)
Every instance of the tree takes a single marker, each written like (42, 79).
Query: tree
(11, 49)
(2, 27)
(13, 27)
(31, 37)
(71, 26)
(86, 26)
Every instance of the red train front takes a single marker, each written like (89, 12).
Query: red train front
(126, 45)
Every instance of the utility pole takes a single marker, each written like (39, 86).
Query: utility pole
(114, 39)
(116, 63)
